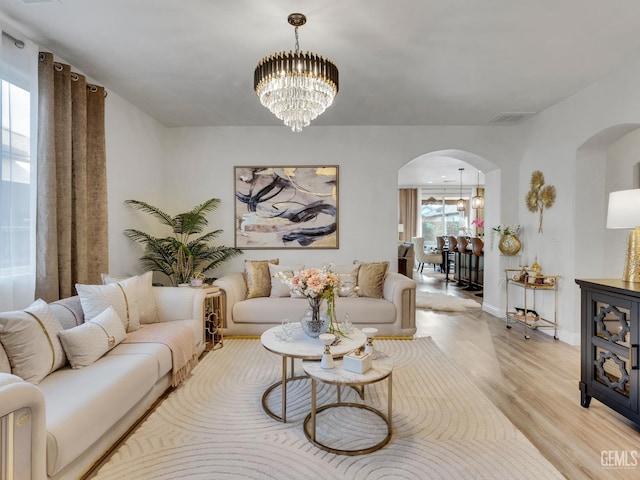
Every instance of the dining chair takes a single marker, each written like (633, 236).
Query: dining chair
(463, 252)
(477, 248)
(451, 256)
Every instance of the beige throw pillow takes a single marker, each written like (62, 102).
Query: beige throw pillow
(348, 275)
(88, 342)
(371, 279)
(146, 299)
(122, 296)
(257, 276)
(30, 340)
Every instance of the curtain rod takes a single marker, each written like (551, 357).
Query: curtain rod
(73, 75)
(17, 42)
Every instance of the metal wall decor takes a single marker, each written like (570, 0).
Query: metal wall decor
(540, 196)
(286, 207)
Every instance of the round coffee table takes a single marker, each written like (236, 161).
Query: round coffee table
(303, 347)
(382, 368)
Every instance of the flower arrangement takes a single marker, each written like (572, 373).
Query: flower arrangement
(316, 284)
(507, 229)
(503, 229)
(478, 222)
(312, 282)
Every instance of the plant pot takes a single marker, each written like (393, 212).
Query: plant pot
(509, 245)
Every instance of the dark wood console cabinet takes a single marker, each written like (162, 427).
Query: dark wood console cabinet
(609, 345)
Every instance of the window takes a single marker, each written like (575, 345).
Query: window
(18, 91)
(15, 217)
(440, 216)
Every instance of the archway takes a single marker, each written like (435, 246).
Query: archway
(407, 178)
(606, 162)
(412, 174)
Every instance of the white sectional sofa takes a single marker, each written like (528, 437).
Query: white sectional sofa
(393, 314)
(76, 415)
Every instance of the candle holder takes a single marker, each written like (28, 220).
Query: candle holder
(327, 358)
(369, 332)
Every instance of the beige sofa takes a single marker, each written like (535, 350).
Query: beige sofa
(392, 315)
(88, 409)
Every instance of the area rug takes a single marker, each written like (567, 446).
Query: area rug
(213, 425)
(444, 303)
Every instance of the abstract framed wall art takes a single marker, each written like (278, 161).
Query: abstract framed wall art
(286, 207)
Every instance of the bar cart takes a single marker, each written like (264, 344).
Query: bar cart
(531, 285)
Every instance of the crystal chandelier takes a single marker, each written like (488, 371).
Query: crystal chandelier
(295, 86)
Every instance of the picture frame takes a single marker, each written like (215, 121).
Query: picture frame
(286, 207)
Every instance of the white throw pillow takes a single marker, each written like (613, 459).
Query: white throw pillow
(122, 296)
(348, 275)
(88, 342)
(146, 299)
(278, 287)
(30, 340)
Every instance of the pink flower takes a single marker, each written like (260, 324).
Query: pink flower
(479, 222)
(312, 282)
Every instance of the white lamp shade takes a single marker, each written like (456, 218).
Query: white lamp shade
(624, 209)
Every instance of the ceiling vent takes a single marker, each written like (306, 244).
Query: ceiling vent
(510, 118)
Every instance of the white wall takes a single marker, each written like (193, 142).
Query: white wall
(136, 150)
(368, 159)
(574, 239)
(620, 165)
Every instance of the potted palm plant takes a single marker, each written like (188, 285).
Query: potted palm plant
(187, 253)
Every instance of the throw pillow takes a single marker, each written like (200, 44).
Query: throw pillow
(30, 340)
(122, 296)
(88, 342)
(257, 276)
(278, 287)
(146, 299)
(348, 275)
(371, 279)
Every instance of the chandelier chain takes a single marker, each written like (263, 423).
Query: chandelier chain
(297, 41)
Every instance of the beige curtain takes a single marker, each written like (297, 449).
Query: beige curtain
(71, 232)
(408, 214)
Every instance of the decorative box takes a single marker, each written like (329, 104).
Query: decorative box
(357, 362)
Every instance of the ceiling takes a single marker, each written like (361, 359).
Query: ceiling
(440, 172)
(428, 62)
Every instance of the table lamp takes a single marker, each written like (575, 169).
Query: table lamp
(624, 212)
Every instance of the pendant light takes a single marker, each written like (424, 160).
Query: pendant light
(460, 204)
(478, 200)
(296, 86)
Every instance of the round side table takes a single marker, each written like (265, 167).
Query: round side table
(303, 347)
(382, 368)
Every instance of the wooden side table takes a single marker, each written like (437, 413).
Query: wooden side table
(382, 368)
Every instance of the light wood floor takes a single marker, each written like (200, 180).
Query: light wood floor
(535, 384)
